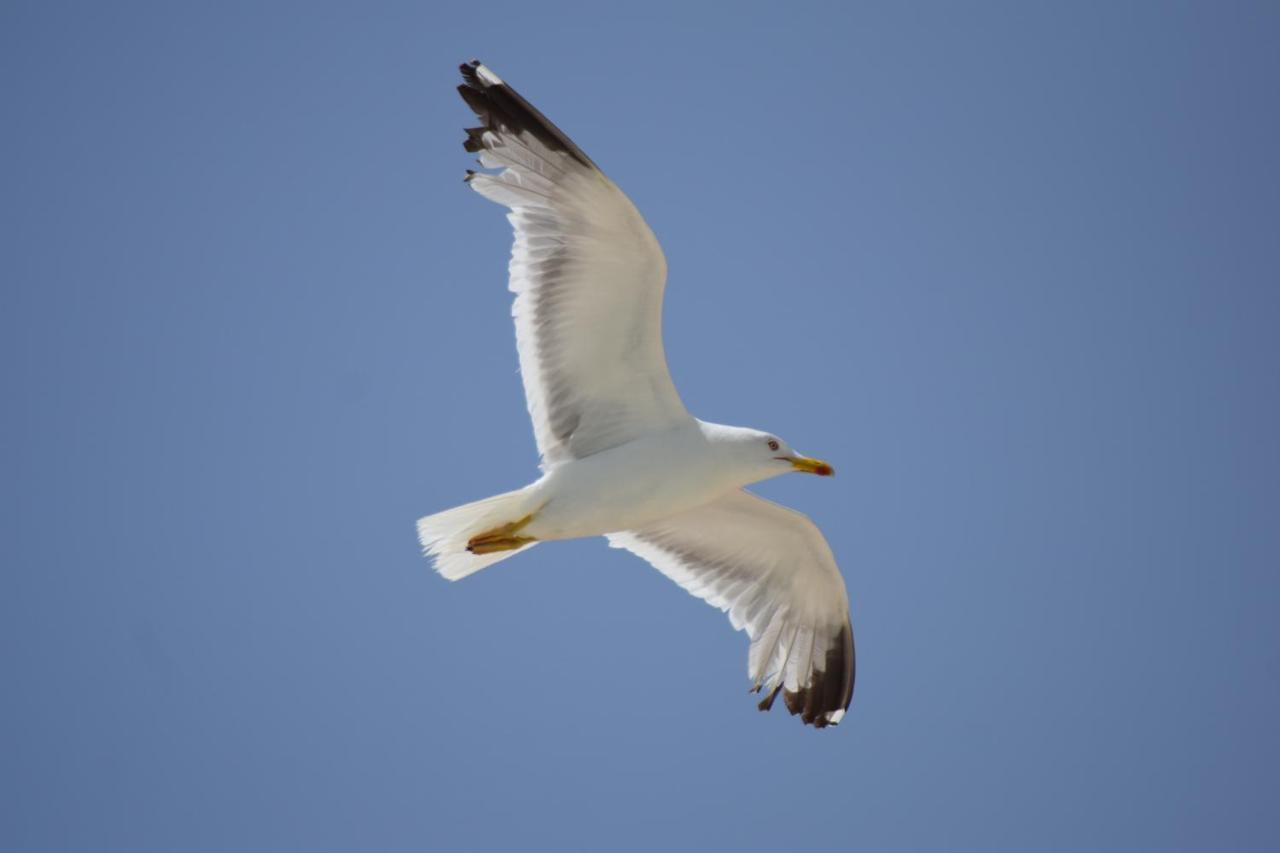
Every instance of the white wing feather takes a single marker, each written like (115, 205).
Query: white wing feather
(588, 275)
(771, 569)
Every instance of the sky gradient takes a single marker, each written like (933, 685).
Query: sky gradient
(1013, 268)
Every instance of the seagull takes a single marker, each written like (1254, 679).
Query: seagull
(621, 457)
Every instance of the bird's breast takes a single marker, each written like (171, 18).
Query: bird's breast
(627, 487)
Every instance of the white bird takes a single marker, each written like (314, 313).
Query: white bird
(621, 457)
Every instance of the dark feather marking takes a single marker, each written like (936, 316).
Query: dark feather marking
(830, 688)
(767, 702)
(502, 109)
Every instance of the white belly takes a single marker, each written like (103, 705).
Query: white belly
(628, 486)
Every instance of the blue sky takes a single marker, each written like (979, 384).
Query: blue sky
(1012, 268)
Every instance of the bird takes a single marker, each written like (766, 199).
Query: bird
(621, 457)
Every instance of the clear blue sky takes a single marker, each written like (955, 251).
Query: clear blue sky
(1014, 268)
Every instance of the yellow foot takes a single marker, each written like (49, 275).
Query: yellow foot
(509, 543)
(501, 538)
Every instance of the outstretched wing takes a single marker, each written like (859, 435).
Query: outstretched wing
(774, 573)
(588, 275)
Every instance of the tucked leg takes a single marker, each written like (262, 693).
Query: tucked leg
(502, 538)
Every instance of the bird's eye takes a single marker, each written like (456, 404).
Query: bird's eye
(773, 444)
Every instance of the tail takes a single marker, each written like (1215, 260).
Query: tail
(444, 536)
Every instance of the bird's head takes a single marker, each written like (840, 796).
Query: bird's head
(764, 455)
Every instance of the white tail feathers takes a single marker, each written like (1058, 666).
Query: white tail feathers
(444, 536)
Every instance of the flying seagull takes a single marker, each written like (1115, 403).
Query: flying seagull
(621, 457)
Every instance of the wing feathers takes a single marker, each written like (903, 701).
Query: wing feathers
(830, 689)
(588, 276)
(772, 571)
(501, 107)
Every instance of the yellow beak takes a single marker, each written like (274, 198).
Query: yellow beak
(812, 466)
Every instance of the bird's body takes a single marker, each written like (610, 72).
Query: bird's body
(635, 484)
(621, 455)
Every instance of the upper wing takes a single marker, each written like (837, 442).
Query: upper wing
(588, 276)
(772, 570)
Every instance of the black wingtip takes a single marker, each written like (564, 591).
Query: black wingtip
(829, 690)
(501, 109)
(766, 703)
